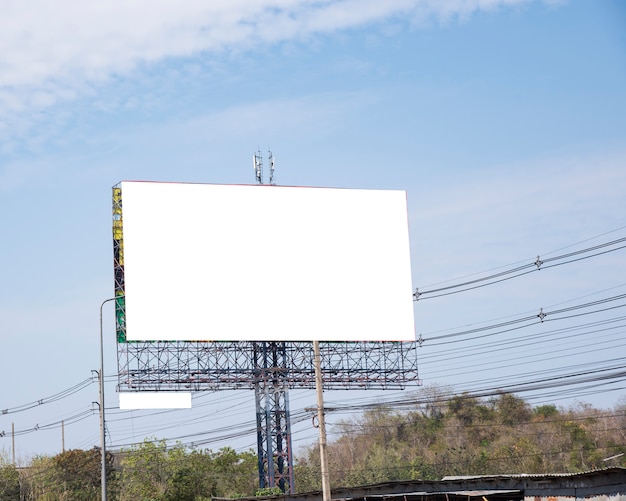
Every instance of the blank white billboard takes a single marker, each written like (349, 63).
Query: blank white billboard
(155, 400)
(265, 263)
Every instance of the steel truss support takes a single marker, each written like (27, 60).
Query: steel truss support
(272, 417)
(214, 365)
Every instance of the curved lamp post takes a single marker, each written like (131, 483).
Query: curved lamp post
(103, 480)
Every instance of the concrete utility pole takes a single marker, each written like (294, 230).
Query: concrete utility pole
(319, 388)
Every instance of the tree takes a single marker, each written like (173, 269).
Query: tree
(9, 482)
(468, 409)
(153, 472)
(73, 475)
(512, 410)
(79, 473)
(144, 472)
(473, 437)
(236, 474)
(433, 400)
(546, 411)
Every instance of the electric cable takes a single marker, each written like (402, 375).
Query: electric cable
(518, 271)
(530, 319)
(46, 400)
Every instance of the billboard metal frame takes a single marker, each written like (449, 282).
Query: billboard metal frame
(201, 366)
(267, 367)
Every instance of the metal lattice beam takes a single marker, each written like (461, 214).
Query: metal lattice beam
(199, 366)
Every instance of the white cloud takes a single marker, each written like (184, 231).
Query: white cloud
(49, 48)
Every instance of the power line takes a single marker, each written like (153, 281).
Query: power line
(528, 320)
(616, 372)
(518, 271)
(53, 398)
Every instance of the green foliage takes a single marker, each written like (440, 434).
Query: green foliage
(546, 411)
(511, 410)
(154, 472)
(73, 475)
(143, 472)
(421, 470)
(79, 472)
(148, 472)
(307, 472)
(461, 436)
(468, 409)
(268, 491)
(466, 436)
(9, 483)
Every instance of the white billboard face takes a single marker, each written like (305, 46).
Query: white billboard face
(265, 263)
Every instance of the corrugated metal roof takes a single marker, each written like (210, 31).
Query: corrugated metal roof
(489, 492)
(533, 475)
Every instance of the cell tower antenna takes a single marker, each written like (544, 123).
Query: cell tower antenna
(271, 162)
(257, 160)
(258, 166)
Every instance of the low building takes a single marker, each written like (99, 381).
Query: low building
(597, 485)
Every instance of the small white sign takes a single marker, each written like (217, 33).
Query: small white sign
(155, 400)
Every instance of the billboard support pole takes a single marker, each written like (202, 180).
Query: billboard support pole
(273, 421)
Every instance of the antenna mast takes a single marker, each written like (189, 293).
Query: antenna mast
(257, 160)
(270, 157)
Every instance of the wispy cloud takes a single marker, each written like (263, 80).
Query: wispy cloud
(49, 50)
(318, 116)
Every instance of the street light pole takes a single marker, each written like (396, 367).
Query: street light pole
(103, 480)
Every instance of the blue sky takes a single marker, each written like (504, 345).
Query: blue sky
(504, 120)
